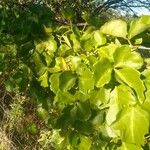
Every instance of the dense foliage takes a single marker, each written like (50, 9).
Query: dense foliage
(90, 84)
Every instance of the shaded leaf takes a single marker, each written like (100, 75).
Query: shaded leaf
(63, 98)
(81, 111)
(83, 127)
(67, 80)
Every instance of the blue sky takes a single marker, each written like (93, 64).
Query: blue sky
(143, 11)
(140, 11)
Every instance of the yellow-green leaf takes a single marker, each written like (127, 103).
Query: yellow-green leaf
(124, 57)
(44, 79)
(138, 25)
(120, 97)
(127, 146)
(132, 125)
(131, 77)
(85, 143)
(99, 38)
(116, 28)
(102, 73)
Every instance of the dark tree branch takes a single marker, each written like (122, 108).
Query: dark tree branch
(117, 4)
(106, 5)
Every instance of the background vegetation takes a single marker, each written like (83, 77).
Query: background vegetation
(72, 79)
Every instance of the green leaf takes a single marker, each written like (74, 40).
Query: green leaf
(49, 46)
(86, 81)
(99, 38)
(63, 50)
(88, 44)
(73, 139)
(68, 12)
(87, 33)
(139, 25)
(54, 82)
(131, 77)
(9, 84)
(120, 97)
(83, 127)
(98, 119)
(67, 80)
(83, 111)
(66, 40)
(133, 124)
(145, 19)
(124, 57)
(32, 128)
(85, 143)
(63, 98)
(92, 60)
(55, 138)
(76, 31)
(64, 119)
(42, 113)
(75, 41)
(79, 95)
(146, 104)
(48, 58)
(116, 28)
(39, 66)
(60, 65)
(48, 30)
(75, 62)
(44, 79)
(147, 61)
(87, 40)
(2, 56)
(127, 146)
(107, 52)
(102, 72)
(146, 74)
(100, 96)
(138, 41)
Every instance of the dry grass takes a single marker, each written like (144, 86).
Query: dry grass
(13, 121)
(5, 142)
(16, 113)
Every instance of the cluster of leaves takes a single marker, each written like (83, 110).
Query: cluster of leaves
(91, 85)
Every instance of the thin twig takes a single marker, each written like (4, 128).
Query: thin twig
(141, 47)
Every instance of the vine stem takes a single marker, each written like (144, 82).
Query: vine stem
(138, 46)
(141, 47)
